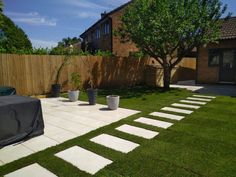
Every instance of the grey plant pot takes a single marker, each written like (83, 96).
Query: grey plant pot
(113, 102)
(92, 95)
(73, 95)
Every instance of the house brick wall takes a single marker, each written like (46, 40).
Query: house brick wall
(120, 48)
(206, 74)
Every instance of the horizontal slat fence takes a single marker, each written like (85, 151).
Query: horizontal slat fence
(34, 74)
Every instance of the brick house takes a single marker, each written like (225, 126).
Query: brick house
(100, 36)
(216, 63)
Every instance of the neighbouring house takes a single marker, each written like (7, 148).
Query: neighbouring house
(216, 63)
(100, 36)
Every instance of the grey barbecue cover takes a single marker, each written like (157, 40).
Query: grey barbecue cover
(20, 119)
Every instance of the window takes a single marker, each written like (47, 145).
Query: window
(98, 33)
(106, 28)
(214, 57)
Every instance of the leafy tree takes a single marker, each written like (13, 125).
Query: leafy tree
(15, 38)
(167, 30)
(1, 6)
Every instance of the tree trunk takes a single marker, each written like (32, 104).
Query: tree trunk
(167, 77)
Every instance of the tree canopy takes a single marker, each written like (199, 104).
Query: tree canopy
(15, 38)
(168, 30)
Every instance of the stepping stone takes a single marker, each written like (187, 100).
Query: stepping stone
(177, 110)
(185, 106)
(204, 96)
(168, 116)
(115, 143)
(34, 170)
(193, 102)
(156, 123)
(83, 159)
(141, 132)
(198, 99)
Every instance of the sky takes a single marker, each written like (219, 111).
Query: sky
(46, 22)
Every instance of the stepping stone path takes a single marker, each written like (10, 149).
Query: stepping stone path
(34, 170)
(198, 99)
(91, 163)
(83, 159)
(141, 132)
(185, 106)
(168, 116)
(193, 102)
(115, 143)
(156, 123)
(183, 111)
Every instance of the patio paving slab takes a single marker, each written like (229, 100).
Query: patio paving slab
(14, 152)
(58, 134)
(185, 106)
(115, 143)
(198, 99)
(168, 116)
(177, 110)
(34, 170)
(204, 96)
(39, 143)
(156, 123)
(141, 132)
(83, 159)
(193, 102)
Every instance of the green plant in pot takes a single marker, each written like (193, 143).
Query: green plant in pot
(56, 87)
(92, 92)
(76, 81)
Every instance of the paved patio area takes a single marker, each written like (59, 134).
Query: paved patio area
(64, 120)
(221, 89)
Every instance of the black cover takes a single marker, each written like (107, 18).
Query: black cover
(21, 118)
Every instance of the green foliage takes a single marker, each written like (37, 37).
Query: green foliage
(104, 53)
(1, 18)
(15, 38)
(76, 80)
(160, 28)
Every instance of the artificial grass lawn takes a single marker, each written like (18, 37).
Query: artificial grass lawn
(202, 144)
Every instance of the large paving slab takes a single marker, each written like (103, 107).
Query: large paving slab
(204, 96)
(185, 106)
(156, 123)
(34, 170)
(64, 120)
(39, 143)
(137, 131)
(193, 102)
(177, 110)
(14, 152)
(115, 143)
(198, 99)
(168, 116)
(83, 159)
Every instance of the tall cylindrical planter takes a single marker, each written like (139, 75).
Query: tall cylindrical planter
(73, 95)
(56, 90)
(113, 102)
(92, 95)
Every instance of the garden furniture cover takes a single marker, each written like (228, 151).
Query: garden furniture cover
(21, 118)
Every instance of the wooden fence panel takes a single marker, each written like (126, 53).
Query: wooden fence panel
(34, 74)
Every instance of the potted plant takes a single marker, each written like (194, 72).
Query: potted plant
(56, 87)
(74, 94)
(113, 102)
(92, 92)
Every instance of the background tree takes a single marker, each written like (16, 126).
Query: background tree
(15, 38)
(167, 30)
(66, 43)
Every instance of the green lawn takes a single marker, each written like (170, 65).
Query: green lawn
(202, 144)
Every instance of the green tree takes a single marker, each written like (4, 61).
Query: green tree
(167, 30)
(1, 7)
(15, 38)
